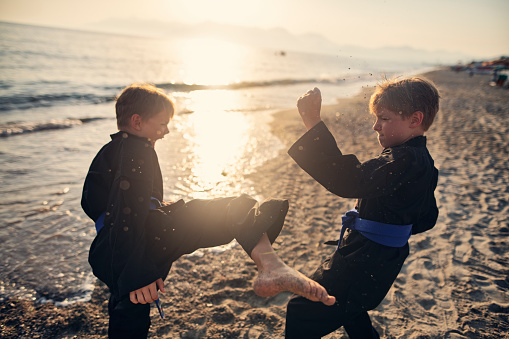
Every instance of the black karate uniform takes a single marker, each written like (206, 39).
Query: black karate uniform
(396, 188)
(138, 245)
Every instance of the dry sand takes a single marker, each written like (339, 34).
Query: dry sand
(455, 281)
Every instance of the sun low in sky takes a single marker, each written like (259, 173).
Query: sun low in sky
(478, 28)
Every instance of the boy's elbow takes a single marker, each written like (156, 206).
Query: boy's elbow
(426, 223)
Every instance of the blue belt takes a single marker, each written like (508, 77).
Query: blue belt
(99, 224)
(384, 234)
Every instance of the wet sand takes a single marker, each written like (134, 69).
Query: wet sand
(454, 284)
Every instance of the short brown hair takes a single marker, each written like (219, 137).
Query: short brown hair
(146, 100)
(406, 96)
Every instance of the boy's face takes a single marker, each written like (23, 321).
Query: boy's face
(392, 128)
(155, 128)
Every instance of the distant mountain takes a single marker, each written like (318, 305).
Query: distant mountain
(407, 53)
(274, 38)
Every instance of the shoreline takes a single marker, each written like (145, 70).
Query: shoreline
(454, 284)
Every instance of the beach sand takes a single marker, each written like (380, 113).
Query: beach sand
(454, 284)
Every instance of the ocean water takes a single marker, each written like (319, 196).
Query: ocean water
(57, 90)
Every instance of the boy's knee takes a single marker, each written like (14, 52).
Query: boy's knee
(310, 319)
(296, 310)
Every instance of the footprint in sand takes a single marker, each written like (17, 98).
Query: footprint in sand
(417, 276)
(427, 304)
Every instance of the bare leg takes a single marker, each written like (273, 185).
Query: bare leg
(274, 276)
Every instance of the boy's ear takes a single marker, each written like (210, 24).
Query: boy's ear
(135, 122)
(416, 119)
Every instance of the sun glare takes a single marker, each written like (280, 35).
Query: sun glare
(214, 134)
(210, 62)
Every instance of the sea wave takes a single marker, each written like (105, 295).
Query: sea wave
(30, 101)
(16, 128)
(97, 95)
(183, 87)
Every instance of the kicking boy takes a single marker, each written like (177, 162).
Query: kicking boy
(395, 198)
(138, 237)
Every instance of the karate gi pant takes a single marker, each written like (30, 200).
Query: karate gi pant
(199, 224)
(359, 274)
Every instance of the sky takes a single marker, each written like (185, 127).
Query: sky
(478, 28)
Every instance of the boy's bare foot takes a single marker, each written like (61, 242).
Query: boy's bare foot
(271, 282)
(274, 276)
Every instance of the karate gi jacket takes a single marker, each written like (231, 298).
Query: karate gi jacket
(397, 187)
(121, 181)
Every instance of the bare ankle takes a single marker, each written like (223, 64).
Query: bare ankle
(270, 261)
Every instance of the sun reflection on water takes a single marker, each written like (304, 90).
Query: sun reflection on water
(216, 138)
(213, 137)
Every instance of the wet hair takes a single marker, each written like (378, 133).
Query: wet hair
(146, 100)
(406, 96)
